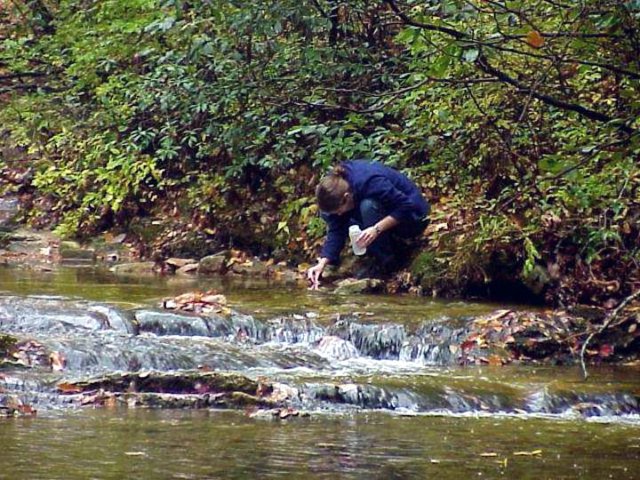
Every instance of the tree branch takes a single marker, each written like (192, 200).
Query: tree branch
(13, 76)
(436, 28)
(320, 9)
(483, 64)
(486, 67)
(610, 318)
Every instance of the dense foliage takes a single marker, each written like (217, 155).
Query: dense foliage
(518, 118)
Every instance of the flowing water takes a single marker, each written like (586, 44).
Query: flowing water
(377, 374)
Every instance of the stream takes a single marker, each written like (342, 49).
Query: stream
(377, 376)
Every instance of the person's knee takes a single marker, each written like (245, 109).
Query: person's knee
(370, 210)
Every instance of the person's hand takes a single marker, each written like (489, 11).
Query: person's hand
(314, 274)
(367, 237)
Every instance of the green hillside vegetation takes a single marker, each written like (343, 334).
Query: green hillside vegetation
(519, 119)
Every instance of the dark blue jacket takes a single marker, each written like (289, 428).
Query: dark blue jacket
(398, 195)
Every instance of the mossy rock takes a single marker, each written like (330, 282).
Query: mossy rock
(70, 250)
(7, 342)
(352, 286)
(148, 231)
(213, 263)
(427, 269)
(537, 279)
(137, 268)
(5, 238)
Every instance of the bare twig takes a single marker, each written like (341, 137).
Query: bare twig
(610, 318)
(485, 66)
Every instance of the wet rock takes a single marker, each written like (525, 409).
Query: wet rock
(189, 389)
(114, 319)
(13, 406)
(337, 348)
(53, 316)
(436, 343)
(136, 268)
(161, 323)
(351, 286)
(7, 342)
(188, 269)
(9, 207)
(213, 263)
(31, 354)
(282, 392)
(377, 341)
(293, 330)
(255, 267)
(364, 396)
(27, 243)
(537, 280)
(176, 263)
(286, 275)
(120, 238)
(12, 365)
(278, 414)
(73, 251)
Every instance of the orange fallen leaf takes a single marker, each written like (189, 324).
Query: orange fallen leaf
(535, 39)
(528, 454)
(66, 387)
(495, 360)
(56, 360)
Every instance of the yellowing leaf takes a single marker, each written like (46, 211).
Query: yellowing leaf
(57, 361)
(534, 39)
(528, 454)
(66, 387)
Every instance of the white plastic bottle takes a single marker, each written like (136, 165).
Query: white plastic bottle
(354, 234)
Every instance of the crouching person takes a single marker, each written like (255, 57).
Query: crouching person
(383, 202)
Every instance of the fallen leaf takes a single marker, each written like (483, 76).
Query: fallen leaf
(56, 360)
(605, 350)
(528, 454)
(66, 387)
(110, 402)
(495, 360)
(27, 410)
(534, 39)
(217, 299)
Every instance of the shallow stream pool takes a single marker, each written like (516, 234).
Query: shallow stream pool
(409, 419)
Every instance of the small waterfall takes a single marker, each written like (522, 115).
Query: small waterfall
(343, 365)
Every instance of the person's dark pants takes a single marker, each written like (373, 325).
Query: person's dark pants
(371, 212)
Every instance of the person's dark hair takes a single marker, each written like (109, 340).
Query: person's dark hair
(331, 189)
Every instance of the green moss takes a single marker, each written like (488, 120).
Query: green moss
(427, 269)
(6, 344)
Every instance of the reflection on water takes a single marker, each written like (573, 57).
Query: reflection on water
(488, 436)
(212, 445)
(257, 297)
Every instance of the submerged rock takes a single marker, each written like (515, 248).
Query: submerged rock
(188, 389)
(72, 251)
(213, 263)
(337, 348)
(54, 315)
(351, 286)
(254, 267)
(136, 268)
